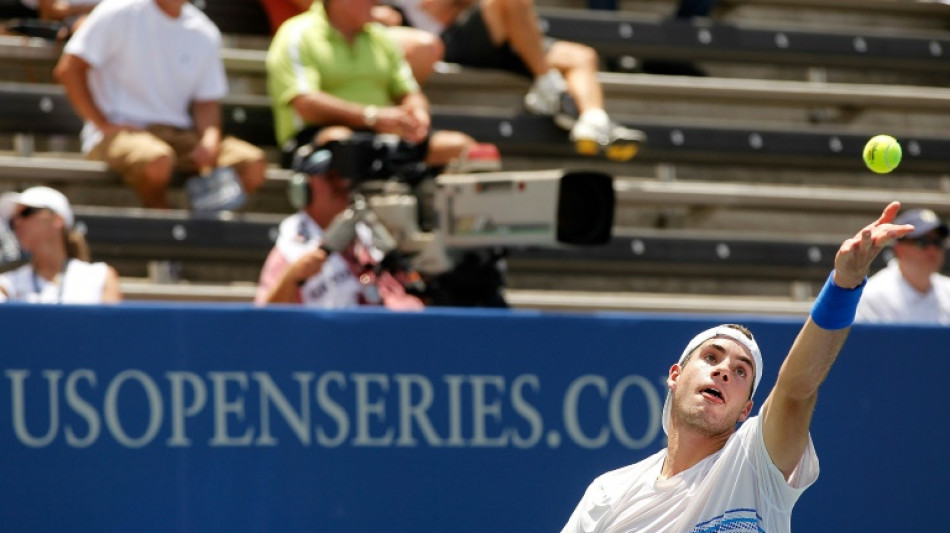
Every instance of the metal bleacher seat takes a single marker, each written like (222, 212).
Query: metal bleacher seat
(44, 109)
(40, 108)
(625, 33)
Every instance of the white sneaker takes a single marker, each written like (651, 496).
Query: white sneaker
(594, 134)
(548, 96)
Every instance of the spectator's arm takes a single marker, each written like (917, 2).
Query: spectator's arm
(416, 101)
(60, 9)
(322, 108)
(111, 293)
(281, 280)
(207, 117)
(71, 71)
(417, 106)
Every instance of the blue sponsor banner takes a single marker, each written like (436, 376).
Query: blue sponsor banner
(231, 418)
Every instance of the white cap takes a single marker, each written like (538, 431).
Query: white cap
(42, 197)
(711, 333)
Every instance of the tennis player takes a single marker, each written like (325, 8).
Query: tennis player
(713, 476)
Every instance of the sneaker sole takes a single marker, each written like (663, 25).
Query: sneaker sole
(587, 147)
(620, 150)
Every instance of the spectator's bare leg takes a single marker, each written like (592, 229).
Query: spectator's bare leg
(152, 184)
(446, 146)
(252, 174)
(422, 49)
(516, 22)
(579, 64)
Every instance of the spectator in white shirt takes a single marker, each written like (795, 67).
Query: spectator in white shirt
(911, 289)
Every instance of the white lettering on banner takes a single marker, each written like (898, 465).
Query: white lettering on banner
(616, 416)
(179, 409)
(111, 409)
(333, 409)
(298, 422)
(481, 408)
(222, 407)
(329, 409)
(527, 411)
(572, 421)
(365, 409)
(18, 406)
(409, 411)
(83, 408)
(455, 410)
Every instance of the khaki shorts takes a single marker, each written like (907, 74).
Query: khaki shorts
(127, 152)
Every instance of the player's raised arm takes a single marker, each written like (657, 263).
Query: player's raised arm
(787, 411)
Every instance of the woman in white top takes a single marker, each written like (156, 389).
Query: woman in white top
(58, 271)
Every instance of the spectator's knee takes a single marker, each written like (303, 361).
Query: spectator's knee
(253, 174)
(447, 146)
(587, 57)
(157, 172)
(427, 47)
(422, 53)
(567, 55)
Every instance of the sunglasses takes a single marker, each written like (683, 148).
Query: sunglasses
(923, 243)
(26, 212)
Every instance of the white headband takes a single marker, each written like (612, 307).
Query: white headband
(711, 333)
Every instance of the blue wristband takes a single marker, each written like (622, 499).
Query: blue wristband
(835, 307)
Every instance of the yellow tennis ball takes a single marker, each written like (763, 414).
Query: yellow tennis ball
(882, 154)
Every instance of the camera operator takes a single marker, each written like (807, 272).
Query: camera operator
(298, 270)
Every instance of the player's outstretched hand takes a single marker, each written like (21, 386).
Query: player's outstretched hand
(856, 254)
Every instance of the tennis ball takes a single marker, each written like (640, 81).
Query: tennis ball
(882, 154)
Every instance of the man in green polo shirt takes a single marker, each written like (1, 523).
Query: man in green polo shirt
(331, 70)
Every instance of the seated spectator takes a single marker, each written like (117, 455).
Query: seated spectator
(911, 289)
(422, 49)
(333, 67)
(298, 270)
(59, 271)
(147, 77)
(685, 10)
(505, 34)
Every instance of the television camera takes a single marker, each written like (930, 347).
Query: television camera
(454, 228)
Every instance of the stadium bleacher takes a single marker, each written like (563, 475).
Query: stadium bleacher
(772, 167)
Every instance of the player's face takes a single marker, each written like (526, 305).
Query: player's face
(711, 391)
